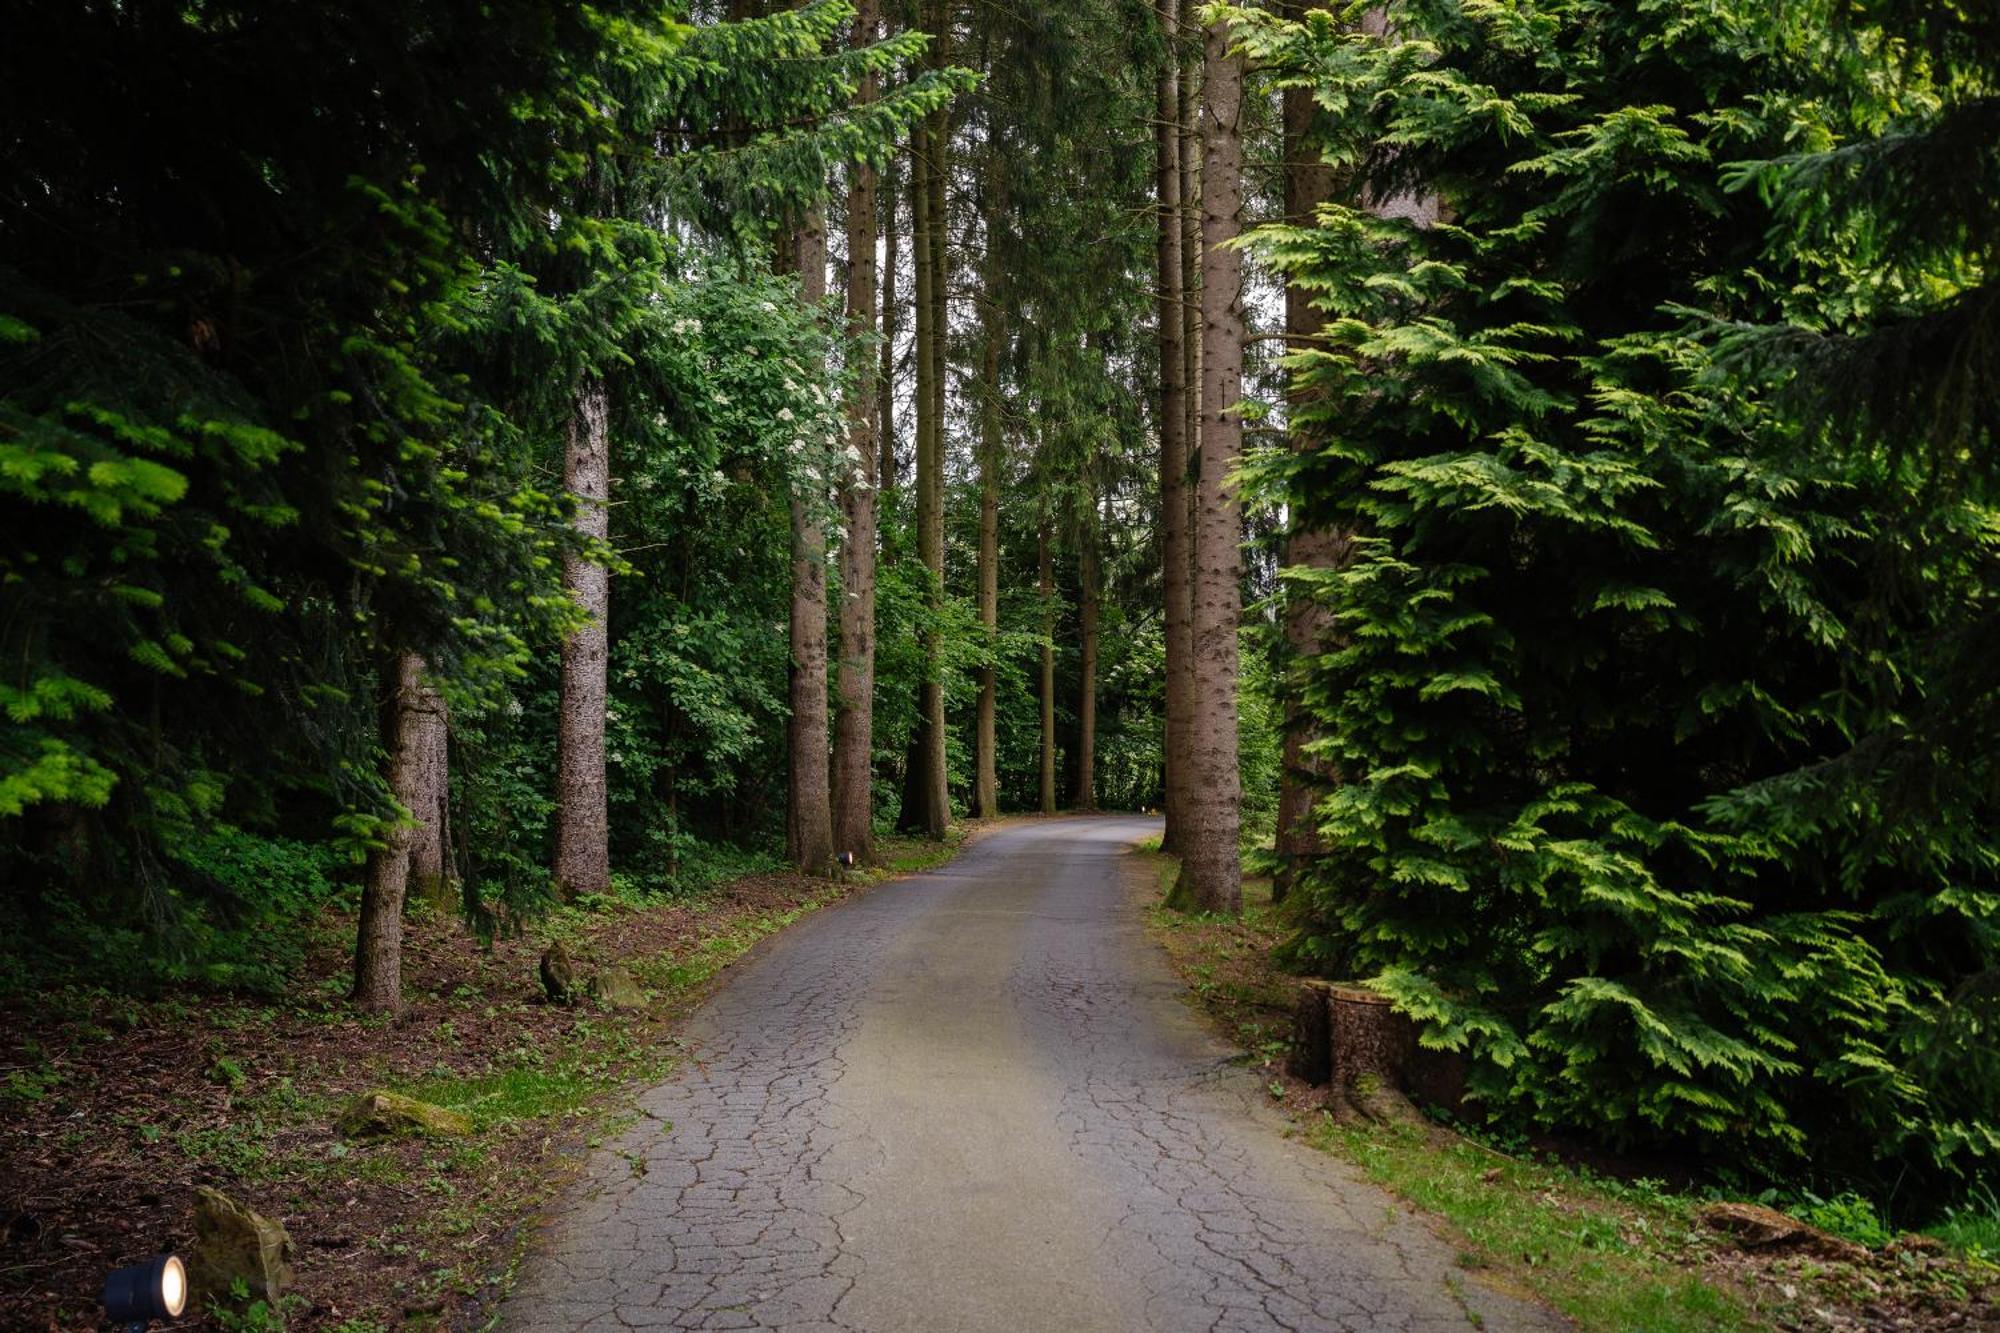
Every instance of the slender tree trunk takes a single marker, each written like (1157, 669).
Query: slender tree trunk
(1087, 576)
(808, 805)
(1190, 164)
(911, 816)
(1173, 422)
(885, 419)
(378, 945)
(583, 820)
(986, 782)
(430, 840)
(1046, 565)
(1191, 257)
(915, 814)
(933, 251)
(854, 724)
(1211, 864)
(1309, 182)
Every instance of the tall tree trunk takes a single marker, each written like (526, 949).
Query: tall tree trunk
(1173, 422)
(912, 815)
(1087, 576)
(986, 782)
(378, 944)
(1191, 258)
(936, 797)
(1211, 863)
(854, 724)
(583, 819)
(808, 807)
(885, 419)
(1190, 155)
(431, 876)
(1309, 182)
(1045, 562)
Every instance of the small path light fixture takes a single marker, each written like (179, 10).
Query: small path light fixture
(846, 860)
(136, 1295)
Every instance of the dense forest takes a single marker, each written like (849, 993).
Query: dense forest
(1521, 474)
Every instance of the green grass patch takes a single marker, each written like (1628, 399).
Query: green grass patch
(909, 856)
(675, 976)
(1973, 1227)
(1609, 1256)
(548, 1092)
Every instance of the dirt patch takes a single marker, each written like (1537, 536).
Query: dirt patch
(113, 1111)
(1583, 1235)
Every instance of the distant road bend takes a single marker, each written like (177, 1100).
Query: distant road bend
(974, 1100)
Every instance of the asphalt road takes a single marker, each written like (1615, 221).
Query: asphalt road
(975, 1100)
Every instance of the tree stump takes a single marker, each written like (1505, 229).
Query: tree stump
(1312, 1044)
(1370, 1046)
(1367, 1037)
(1352, 1039)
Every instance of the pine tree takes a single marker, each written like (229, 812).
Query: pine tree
(1308, 183)
(861, 482)
(1174, 419)
(808, 796)
(1211, 876)
(583, 814)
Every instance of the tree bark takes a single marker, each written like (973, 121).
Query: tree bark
(378, 944)
(1046, 564)
(1311, 1057)
(1211, 863)
(583, 820)
(431, 877)
(854, 723)
(885, 419)
(932, 251)
(1087, 577)
(1191, 266)
(1173, 423)
(1190, 162)
(986, 782)
(1308, 183)
(913, 815)
(808, 806)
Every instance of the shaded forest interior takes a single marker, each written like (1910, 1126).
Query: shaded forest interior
(1519, 476)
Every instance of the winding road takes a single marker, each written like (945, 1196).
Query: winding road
(974, 1100)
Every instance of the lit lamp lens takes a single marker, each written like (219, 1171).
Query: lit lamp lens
(155, 1289)
(173, 1287)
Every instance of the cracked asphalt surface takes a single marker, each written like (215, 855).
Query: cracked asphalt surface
(974, 1100)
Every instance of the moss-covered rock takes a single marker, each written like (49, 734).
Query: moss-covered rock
(378, 1112)
(617, 989)
(234, 1243)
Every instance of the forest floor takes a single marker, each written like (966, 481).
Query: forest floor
(1606, 1246)
(113, 1109)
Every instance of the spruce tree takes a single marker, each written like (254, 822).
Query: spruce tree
(1612, 613)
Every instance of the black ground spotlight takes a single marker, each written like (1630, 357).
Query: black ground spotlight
(136, 1295)
(846, 860)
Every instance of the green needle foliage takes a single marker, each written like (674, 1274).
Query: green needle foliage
(1629, 640)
